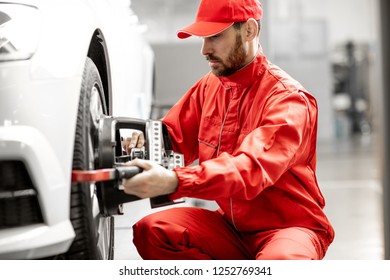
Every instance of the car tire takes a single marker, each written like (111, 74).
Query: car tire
(94, 232)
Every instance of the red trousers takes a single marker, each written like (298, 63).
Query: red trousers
(189, 233)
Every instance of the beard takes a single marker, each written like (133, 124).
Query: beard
(234, 61)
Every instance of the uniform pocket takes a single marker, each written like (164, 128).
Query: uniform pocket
(206, 150)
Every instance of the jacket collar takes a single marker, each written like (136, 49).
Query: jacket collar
(247, 74)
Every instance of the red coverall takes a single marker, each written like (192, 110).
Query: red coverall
(254, 133)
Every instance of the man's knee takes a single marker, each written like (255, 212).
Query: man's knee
(145, 229)
(146, 236)
(157, 229)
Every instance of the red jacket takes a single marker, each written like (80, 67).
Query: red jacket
(254, 134)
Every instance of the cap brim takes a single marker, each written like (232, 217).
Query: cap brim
(203, 29)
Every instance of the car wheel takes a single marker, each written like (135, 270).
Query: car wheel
(94, 232)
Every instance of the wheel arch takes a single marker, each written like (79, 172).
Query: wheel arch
(98, 52)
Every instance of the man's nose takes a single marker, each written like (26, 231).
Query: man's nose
(206, 47)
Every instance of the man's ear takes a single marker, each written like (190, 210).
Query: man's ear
(252, 29)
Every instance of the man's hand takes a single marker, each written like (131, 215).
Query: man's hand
(155, 180)
(137, 140)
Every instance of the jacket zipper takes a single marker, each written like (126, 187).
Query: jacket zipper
(219, 145)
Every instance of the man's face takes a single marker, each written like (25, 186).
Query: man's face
(225, 52)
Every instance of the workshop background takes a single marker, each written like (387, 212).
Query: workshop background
(332, 47)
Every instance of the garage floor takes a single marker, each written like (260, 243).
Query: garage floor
(348, 172)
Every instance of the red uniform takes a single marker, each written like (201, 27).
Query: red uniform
(254, 133)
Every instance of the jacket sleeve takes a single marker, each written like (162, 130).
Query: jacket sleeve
(282, 139)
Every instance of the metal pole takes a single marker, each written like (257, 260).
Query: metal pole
(385, 25)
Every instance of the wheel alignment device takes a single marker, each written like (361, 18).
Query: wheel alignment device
(110, 162)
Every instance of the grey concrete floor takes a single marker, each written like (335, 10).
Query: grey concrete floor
(348, 173)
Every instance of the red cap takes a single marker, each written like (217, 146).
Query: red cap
(214, 16)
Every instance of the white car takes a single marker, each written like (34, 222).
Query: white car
(63, 64)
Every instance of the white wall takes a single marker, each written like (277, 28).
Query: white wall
(178, 67)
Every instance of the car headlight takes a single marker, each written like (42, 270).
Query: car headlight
(20, 26)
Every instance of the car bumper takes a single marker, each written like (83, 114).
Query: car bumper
(55, 234)
(35, 241)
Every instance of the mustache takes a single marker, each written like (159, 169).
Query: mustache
(212, 57)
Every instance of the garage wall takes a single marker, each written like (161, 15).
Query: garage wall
(297, 35)
(178, 67)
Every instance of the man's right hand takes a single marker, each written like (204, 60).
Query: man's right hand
(155, 180)
(137, 140)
